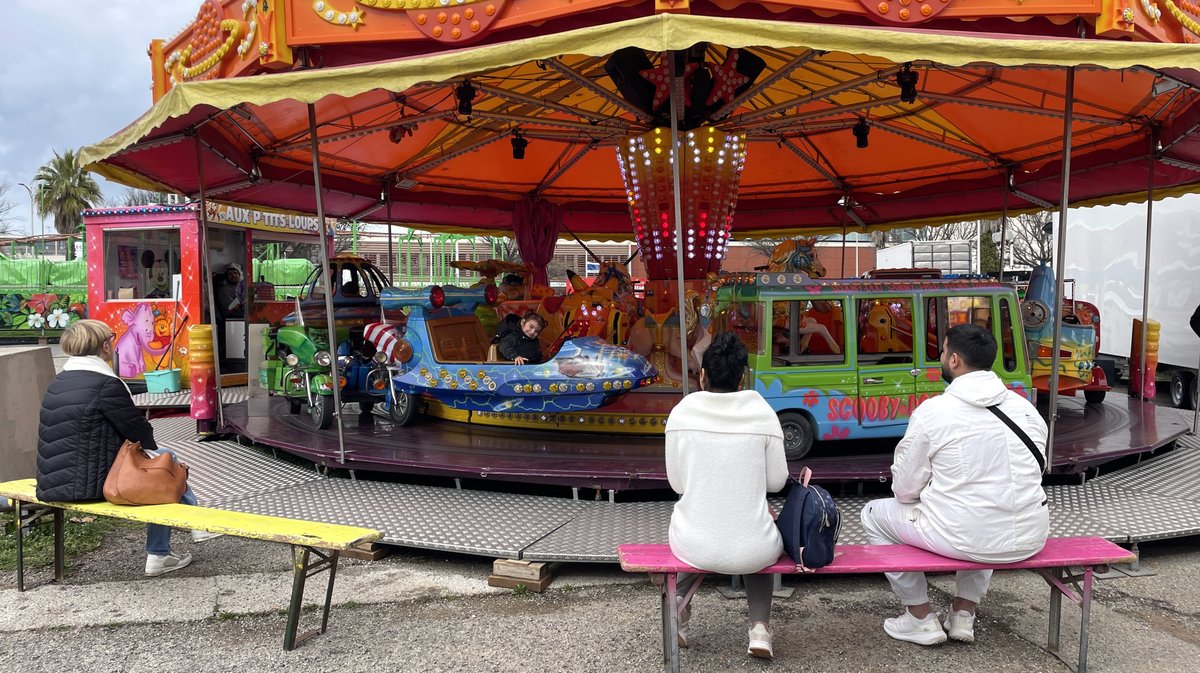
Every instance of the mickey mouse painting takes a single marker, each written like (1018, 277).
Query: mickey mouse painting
(158, 274)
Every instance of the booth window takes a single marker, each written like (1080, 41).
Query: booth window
(139, 264)
(280, 265)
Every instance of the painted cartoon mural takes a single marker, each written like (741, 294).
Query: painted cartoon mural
(140, 339)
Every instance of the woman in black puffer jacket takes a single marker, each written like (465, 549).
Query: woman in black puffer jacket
(86, 415)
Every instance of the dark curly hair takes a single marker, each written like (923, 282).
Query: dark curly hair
(724, 362)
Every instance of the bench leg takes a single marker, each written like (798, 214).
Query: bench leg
(1058, 579)
(1085, 616)
(302, 569)
(60, 548)
(1052, 639)
(20, 518)
(670, 623)
(36, 517)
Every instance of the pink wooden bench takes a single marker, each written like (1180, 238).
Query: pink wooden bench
(1054, 563)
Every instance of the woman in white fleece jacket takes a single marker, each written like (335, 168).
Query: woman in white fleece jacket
(724, 453)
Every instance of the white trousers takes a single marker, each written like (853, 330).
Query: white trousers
(888, 521)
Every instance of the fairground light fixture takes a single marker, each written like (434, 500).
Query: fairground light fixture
(708, 177)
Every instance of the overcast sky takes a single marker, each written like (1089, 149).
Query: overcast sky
(73, 72)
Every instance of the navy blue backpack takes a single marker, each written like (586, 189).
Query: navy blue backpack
(808, 523)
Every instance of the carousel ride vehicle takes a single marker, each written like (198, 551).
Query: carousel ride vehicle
(444, 358)
(1078, 345)
(303, 363)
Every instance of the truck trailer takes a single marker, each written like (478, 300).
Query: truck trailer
(951, 257)
(1105, 255)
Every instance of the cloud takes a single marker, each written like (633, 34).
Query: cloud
(74, 73)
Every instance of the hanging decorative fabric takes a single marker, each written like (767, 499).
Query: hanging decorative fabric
(536, 224)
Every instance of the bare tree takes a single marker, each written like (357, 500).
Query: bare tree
(8, 218)
(954, 231)
(142, 197)
(1030, 237)
(503, 248)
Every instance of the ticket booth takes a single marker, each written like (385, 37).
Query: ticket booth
(146, 279)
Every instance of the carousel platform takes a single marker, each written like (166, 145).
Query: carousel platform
(1153, 499)
(1086, 437)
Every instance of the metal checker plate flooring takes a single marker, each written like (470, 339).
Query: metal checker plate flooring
(1176, 474)
(183, 398)
(428, 517)
(222, 472)
(1155, 499)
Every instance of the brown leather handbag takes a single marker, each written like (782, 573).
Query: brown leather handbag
(136, 479)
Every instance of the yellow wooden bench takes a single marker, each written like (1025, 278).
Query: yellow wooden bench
(308, 538)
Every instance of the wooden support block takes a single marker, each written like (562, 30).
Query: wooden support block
(521, 570)
(368, 551)
(536, 586)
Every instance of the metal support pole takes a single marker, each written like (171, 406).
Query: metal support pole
(677, 106)
(328, 283)
(206, 270)
(1146, 265)
(1004, 223)
(844, 230)
(1060, 263)
(387, 204)
(1195, 402)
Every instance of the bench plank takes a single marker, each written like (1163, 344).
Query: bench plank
(851, 559)
(241, 524)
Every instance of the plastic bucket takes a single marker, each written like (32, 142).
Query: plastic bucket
(163, 381)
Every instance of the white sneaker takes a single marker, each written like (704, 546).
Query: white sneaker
(920, 631)
(160, 565)
(204, 536)
(760, 642)
(960, 626)
(685, 616)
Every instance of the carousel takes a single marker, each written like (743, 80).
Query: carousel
(680, 125)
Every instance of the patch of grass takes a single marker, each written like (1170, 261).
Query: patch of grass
(79, 537)
(520, 590)
(350, 605)
(225, 616)
(568, 588)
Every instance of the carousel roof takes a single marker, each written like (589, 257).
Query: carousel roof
(984, 128)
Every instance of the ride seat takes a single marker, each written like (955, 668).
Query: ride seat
(493, 354)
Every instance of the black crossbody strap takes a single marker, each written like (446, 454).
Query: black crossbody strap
(1020, 433)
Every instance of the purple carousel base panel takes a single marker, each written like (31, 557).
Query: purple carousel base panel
(1085, 436)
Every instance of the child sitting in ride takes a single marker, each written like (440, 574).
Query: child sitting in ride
(518, 337)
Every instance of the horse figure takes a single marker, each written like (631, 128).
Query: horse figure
(796, 254)
(612, 293)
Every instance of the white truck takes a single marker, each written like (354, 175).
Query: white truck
(1105, 257)
(952, 257)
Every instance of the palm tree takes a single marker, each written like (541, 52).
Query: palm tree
(65, 190)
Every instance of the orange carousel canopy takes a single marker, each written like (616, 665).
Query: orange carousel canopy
(858, 126)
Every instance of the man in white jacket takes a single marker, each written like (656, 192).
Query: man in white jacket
(966, 486)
